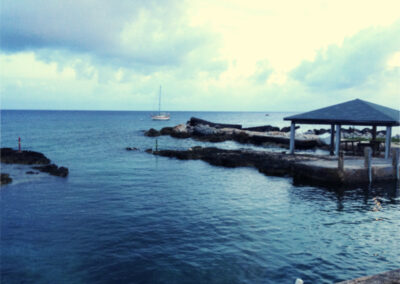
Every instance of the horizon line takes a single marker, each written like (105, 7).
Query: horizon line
(110, 110)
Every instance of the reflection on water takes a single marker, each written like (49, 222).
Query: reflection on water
(127, 216)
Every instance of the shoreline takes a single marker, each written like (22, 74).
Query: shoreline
(303, 168)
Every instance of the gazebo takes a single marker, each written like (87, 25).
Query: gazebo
(355, 112)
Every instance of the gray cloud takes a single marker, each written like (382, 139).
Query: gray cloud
(352, 64)
(144, 35)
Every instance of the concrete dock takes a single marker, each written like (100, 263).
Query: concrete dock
(354, 170)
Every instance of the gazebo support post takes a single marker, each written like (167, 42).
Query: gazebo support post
(374, 133)
(388, 140)
(337, 145)
(373, 141)
(292, 135)
(332, 140)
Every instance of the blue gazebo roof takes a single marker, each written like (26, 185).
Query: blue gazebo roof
(355, 112)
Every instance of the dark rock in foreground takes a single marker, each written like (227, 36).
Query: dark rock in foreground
(11, 156)
(53, 170)
(5, 179)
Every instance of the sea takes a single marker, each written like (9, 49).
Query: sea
(131, 217)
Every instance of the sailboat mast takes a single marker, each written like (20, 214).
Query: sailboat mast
(159, 101)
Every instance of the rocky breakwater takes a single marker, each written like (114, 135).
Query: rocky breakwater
(269, 163)
(41, 162)
(206, 131)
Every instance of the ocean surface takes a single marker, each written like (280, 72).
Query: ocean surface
(130, 217)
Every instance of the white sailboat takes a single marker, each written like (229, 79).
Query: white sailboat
(160, 115)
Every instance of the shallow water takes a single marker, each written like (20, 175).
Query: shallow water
(132, 217)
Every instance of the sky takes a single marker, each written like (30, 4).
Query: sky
(208, 55)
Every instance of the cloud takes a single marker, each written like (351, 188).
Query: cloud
(144, 35)
(262, 72)
(352, 64)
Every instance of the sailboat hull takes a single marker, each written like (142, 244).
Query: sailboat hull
(160, 117)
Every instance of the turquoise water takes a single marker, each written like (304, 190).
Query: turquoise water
(130, 217)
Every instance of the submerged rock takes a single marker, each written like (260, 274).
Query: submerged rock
(131, 149)
(11, 156)
(5, 179)
(32, 173)
(53, 170)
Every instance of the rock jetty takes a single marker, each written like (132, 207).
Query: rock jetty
(11, 156)
(203, 130)
(207, 131)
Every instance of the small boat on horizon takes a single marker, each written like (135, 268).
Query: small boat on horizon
(160, 115)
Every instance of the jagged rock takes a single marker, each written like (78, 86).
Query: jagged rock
(196, 121)
(5, 179)
(53, 170)
(265, 128)
(11, 156)
(287, 129)
(182, 131)
(180, 128)
(152, 133)
(203, 129)
(166, 131)
(321, 131)
(179, 131)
